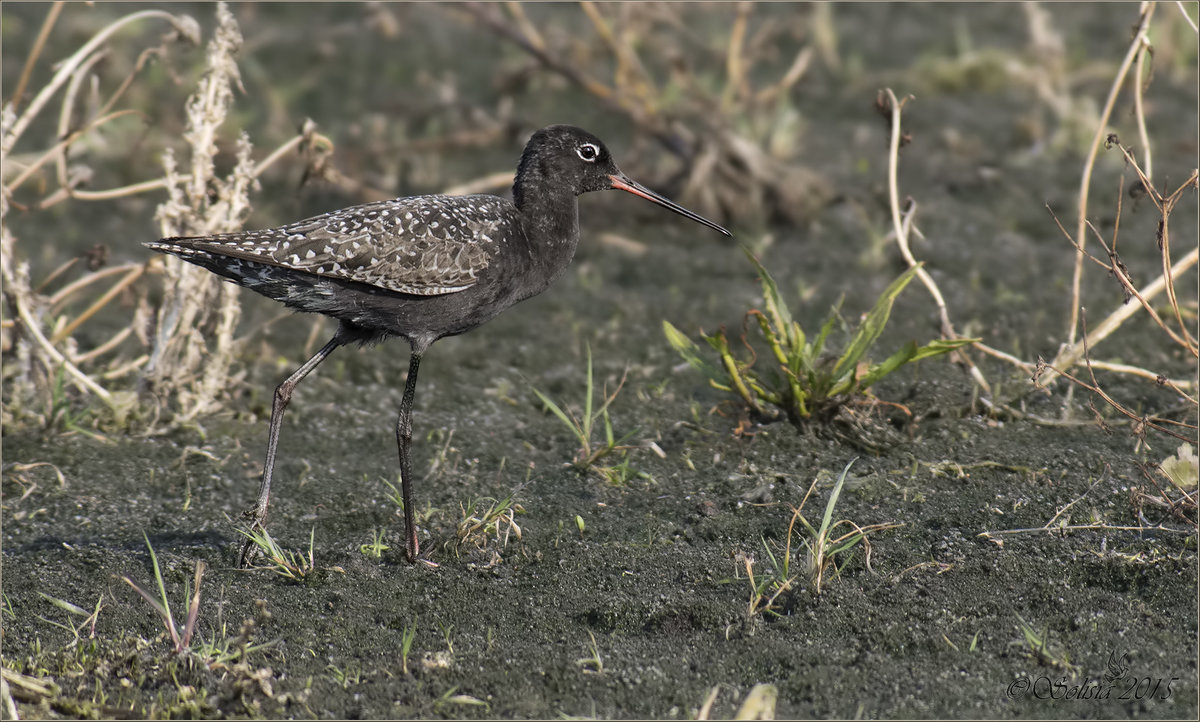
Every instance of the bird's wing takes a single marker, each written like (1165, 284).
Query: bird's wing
(425, 245)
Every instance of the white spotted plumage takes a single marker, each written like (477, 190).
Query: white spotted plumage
(426, 245)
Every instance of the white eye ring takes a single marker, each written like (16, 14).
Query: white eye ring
(588, 152)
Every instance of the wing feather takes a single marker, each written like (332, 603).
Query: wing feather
(426, 245)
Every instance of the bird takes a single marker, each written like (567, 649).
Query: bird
(421, 268)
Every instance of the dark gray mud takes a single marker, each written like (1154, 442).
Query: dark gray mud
(645, 608)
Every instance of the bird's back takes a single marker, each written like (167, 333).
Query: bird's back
(424, 245)
(373, 265)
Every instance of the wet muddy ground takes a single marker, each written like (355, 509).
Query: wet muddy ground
(632, 599)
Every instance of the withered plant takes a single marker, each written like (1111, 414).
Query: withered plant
(182, 348)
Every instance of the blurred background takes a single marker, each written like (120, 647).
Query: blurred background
(760, 116)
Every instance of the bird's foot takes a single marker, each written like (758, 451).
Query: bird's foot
(255, 536)
(412, 553)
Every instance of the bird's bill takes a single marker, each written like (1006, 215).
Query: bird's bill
(620, 182)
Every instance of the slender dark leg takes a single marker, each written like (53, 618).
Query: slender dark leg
(283, 395)
(403, 440)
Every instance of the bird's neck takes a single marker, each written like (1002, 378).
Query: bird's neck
(551, 222)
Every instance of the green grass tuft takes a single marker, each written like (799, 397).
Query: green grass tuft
(591, 452)
(803, 383)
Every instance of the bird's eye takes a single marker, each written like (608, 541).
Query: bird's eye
(588, 152)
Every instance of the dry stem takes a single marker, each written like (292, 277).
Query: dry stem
(728, 171)
(901, 228)
(1139, 45)
(35, 355)
(182, 365)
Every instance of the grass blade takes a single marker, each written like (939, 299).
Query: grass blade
(554, 409)
(690, 352)
(162, 588)
(868, 332)
(826, 328)
(165, 607)
(777, 310)
(941, 346)
(64, 605)
(878, 371)
(833, 498)
(158, 607)
(587, 401)
(189, 625)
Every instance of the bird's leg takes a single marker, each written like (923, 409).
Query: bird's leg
(283, 395)
(403, 440)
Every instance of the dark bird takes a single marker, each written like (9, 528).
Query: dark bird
(421, 268)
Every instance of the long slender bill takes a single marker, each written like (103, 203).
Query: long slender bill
(621, 182)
